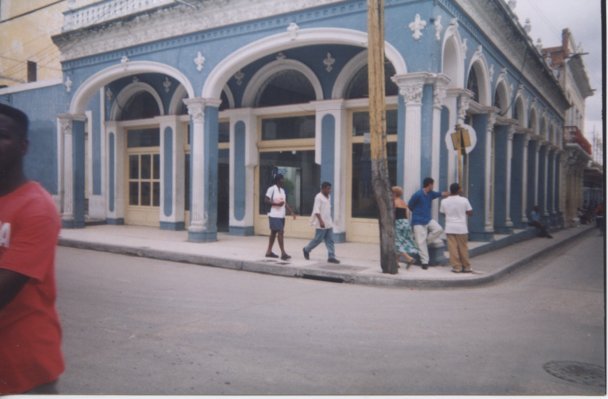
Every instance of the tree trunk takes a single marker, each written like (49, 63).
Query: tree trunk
(377, 122)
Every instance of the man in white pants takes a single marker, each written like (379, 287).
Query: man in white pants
(426, 230)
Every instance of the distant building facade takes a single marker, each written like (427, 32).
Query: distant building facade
(176, 114)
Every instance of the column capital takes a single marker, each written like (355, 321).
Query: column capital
(411, 85)
(196, 108)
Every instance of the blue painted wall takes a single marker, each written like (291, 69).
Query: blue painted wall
(42, 107)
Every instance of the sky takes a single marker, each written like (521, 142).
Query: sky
(584, 19)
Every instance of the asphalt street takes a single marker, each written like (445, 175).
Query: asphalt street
(140, 326)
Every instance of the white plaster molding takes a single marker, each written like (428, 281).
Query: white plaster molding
(438, 27)
(167, 84)
(199, 61)
(282, 41)
(417, 26)
(258, 82)
(68, 84)
(329, 61)
(105, 76)
(293, 29)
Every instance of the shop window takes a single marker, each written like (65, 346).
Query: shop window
(223, 132)
(358, 87)
(363, 200)
(144, 180)
(294, 127)
(141, 106)
(301, 178)
(286, 87)
(473, 84)
(361, 123)
(143, 138)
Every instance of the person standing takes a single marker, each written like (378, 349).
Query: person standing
(456, 209)
(426, 230)
(277, 199)
(31, 360)
(404, 241)
(323, 223)
(536, 221)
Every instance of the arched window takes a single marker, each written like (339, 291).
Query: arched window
(473, 84)
(284, 88)
(358, 86)
(500, 99)
(140, 106)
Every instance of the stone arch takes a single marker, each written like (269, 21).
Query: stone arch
(542, 129)
(261, 77)
(479, 64)
(452, 58)
(180, 94)
(129, 91)
(114, 72)
(347, 73)
(286, 40)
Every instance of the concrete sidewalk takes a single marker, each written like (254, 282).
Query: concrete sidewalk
(359, 262)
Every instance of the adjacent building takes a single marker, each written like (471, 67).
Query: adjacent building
(177, 114)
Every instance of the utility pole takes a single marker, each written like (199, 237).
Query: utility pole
(377, 123)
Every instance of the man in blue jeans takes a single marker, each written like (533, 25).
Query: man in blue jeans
(426, 230)
(321, 220)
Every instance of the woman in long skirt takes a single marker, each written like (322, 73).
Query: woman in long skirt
(404, 239)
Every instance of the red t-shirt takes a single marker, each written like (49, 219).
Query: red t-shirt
(30, 334)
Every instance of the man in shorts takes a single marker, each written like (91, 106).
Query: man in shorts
(277, 199)
(30, 334)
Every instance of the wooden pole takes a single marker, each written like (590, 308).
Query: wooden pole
(377, 122)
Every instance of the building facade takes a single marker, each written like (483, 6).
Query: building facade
(176, 114)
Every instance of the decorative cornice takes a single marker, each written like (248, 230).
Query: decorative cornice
(154, 26)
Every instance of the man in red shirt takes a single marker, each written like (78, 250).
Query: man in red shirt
(30, 333)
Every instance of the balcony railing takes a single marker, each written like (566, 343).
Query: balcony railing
(107, 10)
(572, 134)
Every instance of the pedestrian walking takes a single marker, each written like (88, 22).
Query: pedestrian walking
(457, 209)
(404, 239)
(426, 230)
(277, 200)
(323, 224)
(30, 334)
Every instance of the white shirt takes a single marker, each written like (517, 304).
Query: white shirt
(455, 208)
(322, 206)
(276, 194)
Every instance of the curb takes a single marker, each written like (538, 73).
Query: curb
(279, 269)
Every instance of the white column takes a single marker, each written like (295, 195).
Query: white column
(489, 177)
(67, 187)
(196, 110)
(524, 189)
(510, 133)
(411, 88)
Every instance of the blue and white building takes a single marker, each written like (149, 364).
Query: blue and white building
(175, 114)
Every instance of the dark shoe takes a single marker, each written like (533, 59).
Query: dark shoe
(285, 257)
(306, 254)
(272, 255)
(549, 236)
(467, 271)
(425, 266)
(333, 260)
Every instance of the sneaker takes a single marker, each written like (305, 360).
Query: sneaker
(457, 271)
(467, 271)
(272, 255)
(333, 260)
(306, 254)
(285, 257)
